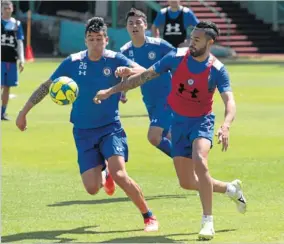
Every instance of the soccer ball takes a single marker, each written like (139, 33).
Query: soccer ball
(63, 90)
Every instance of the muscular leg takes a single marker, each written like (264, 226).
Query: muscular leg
(201, 148)
(188, 179)
(93, 179)
(193, 175)
(118, 172)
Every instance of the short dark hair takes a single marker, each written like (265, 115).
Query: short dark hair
(96, 24)
(210, 28)
(137, 13)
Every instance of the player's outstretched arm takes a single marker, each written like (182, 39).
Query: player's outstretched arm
(127, 84)
(135, 81)
(123, 71)
(35, 98)
(230, 113)
(137, 69)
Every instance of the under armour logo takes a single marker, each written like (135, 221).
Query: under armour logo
(173, 29)
(154, 121)
(82, 72)
(181, 88)
(194, 92)
(4, 39)
(119, 149)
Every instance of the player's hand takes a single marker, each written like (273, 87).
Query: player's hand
(223, 137)
(123, 71)
(123, 99)
(101, 95)
(21, 67)
(21, 121)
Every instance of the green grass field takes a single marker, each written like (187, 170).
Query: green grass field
(43, 199)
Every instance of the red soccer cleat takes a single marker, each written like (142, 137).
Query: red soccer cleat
(109, 185)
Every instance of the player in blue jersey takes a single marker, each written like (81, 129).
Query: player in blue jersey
(97, 131)
(176, 19)
(12, 49)
(196, 75)
(146, 51)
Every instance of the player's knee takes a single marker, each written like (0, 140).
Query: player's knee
(154, 139)
(120, 177)
(92, 189)
(199, 158)
(187, 184)
(200, 164)
(184, 185)
(6, 88)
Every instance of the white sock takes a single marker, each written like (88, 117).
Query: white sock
(104, 174)
(207, 218)
(231, 190)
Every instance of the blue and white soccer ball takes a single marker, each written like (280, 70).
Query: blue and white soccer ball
(63, 90)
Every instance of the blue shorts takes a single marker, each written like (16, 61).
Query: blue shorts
(94, 146)
(9, 74)
(185, 130)
(161, 116)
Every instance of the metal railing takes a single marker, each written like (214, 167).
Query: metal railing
(221, 15)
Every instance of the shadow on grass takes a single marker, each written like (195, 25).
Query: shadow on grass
(115, 200)
(54, 235)
(142, 239)
(161, 239)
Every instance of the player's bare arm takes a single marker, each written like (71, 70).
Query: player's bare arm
(155, 31)
(37, 96)
(127, 84)
(40, 93)
(230, 113)
(123, 71)
(135, 81)
(20, 50)
(230, 108)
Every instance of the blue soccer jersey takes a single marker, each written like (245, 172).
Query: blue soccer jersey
(189, 19)
(92, 76)
(157, 90)
(218, 76)
(14, 24)
(12, 31)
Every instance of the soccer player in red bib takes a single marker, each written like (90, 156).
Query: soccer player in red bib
(196, 75)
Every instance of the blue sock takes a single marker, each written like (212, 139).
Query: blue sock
(165, 146)
(3, 110)
(147, 215)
